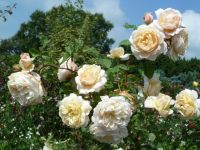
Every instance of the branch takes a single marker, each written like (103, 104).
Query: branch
(54, 66)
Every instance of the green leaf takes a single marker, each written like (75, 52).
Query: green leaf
(105, 62)
(34, 52)
(129, 26)
(125, 43)
(123, 67)
(149, 68)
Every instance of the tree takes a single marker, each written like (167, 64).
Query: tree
(60, 26)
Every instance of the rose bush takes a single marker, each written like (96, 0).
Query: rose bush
(133, 114)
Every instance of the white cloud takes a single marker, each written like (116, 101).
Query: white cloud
(48, 4)
(191, 21)
(112, 11)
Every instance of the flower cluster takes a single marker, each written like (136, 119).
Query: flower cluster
(166, 35)
(187, 104)
(25, 86)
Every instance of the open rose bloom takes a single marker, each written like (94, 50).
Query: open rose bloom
(26, 88)
(169, 21)
(118, 53)
(161, 103)
(91, 78)
(147, 42)
(26, 62)
(74, 111)
(110, 118)
(188, 104)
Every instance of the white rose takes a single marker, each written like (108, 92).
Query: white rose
(168, 20)
(63, 73)
(187, 103)
(152, 86)
(161, 103)
(74, 111)
(179, 44)
(147, 42)
(26, 87)
(118, 53)
(26, 62)
(106, 136)
(91, 78)
(112, 113)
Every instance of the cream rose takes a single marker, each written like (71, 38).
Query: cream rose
(26, 62)
(112, 113)
(74, 111)
(152, 86)
(179, 44)
(26, 88)
(106, 136)
(187, 103)
(147, 42)
(161, 103)
(168, 20)
(63, 73)
(118, 53)
(91, 78)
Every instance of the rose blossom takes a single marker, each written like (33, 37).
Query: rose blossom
(179, 44)
(65, 74)
(74, 111)
(161, 103)
(112, 113)
(91, 78)
(147, 42)
(152, 86)
(118, 53)
(169, 21)
(26, 62)
(26, 87)
(187, 103)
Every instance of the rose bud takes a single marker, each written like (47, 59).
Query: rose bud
(66, 70)
(26, 62)
(148, 18)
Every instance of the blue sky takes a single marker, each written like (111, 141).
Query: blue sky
(117, 11)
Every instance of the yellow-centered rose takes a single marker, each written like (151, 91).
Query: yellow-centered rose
(118, 53)
(91, 78)
(161, 103)
(147, 42)
(187, 103)
(74, 111)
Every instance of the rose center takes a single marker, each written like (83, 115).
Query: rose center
(147, 41)
(90, 76)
